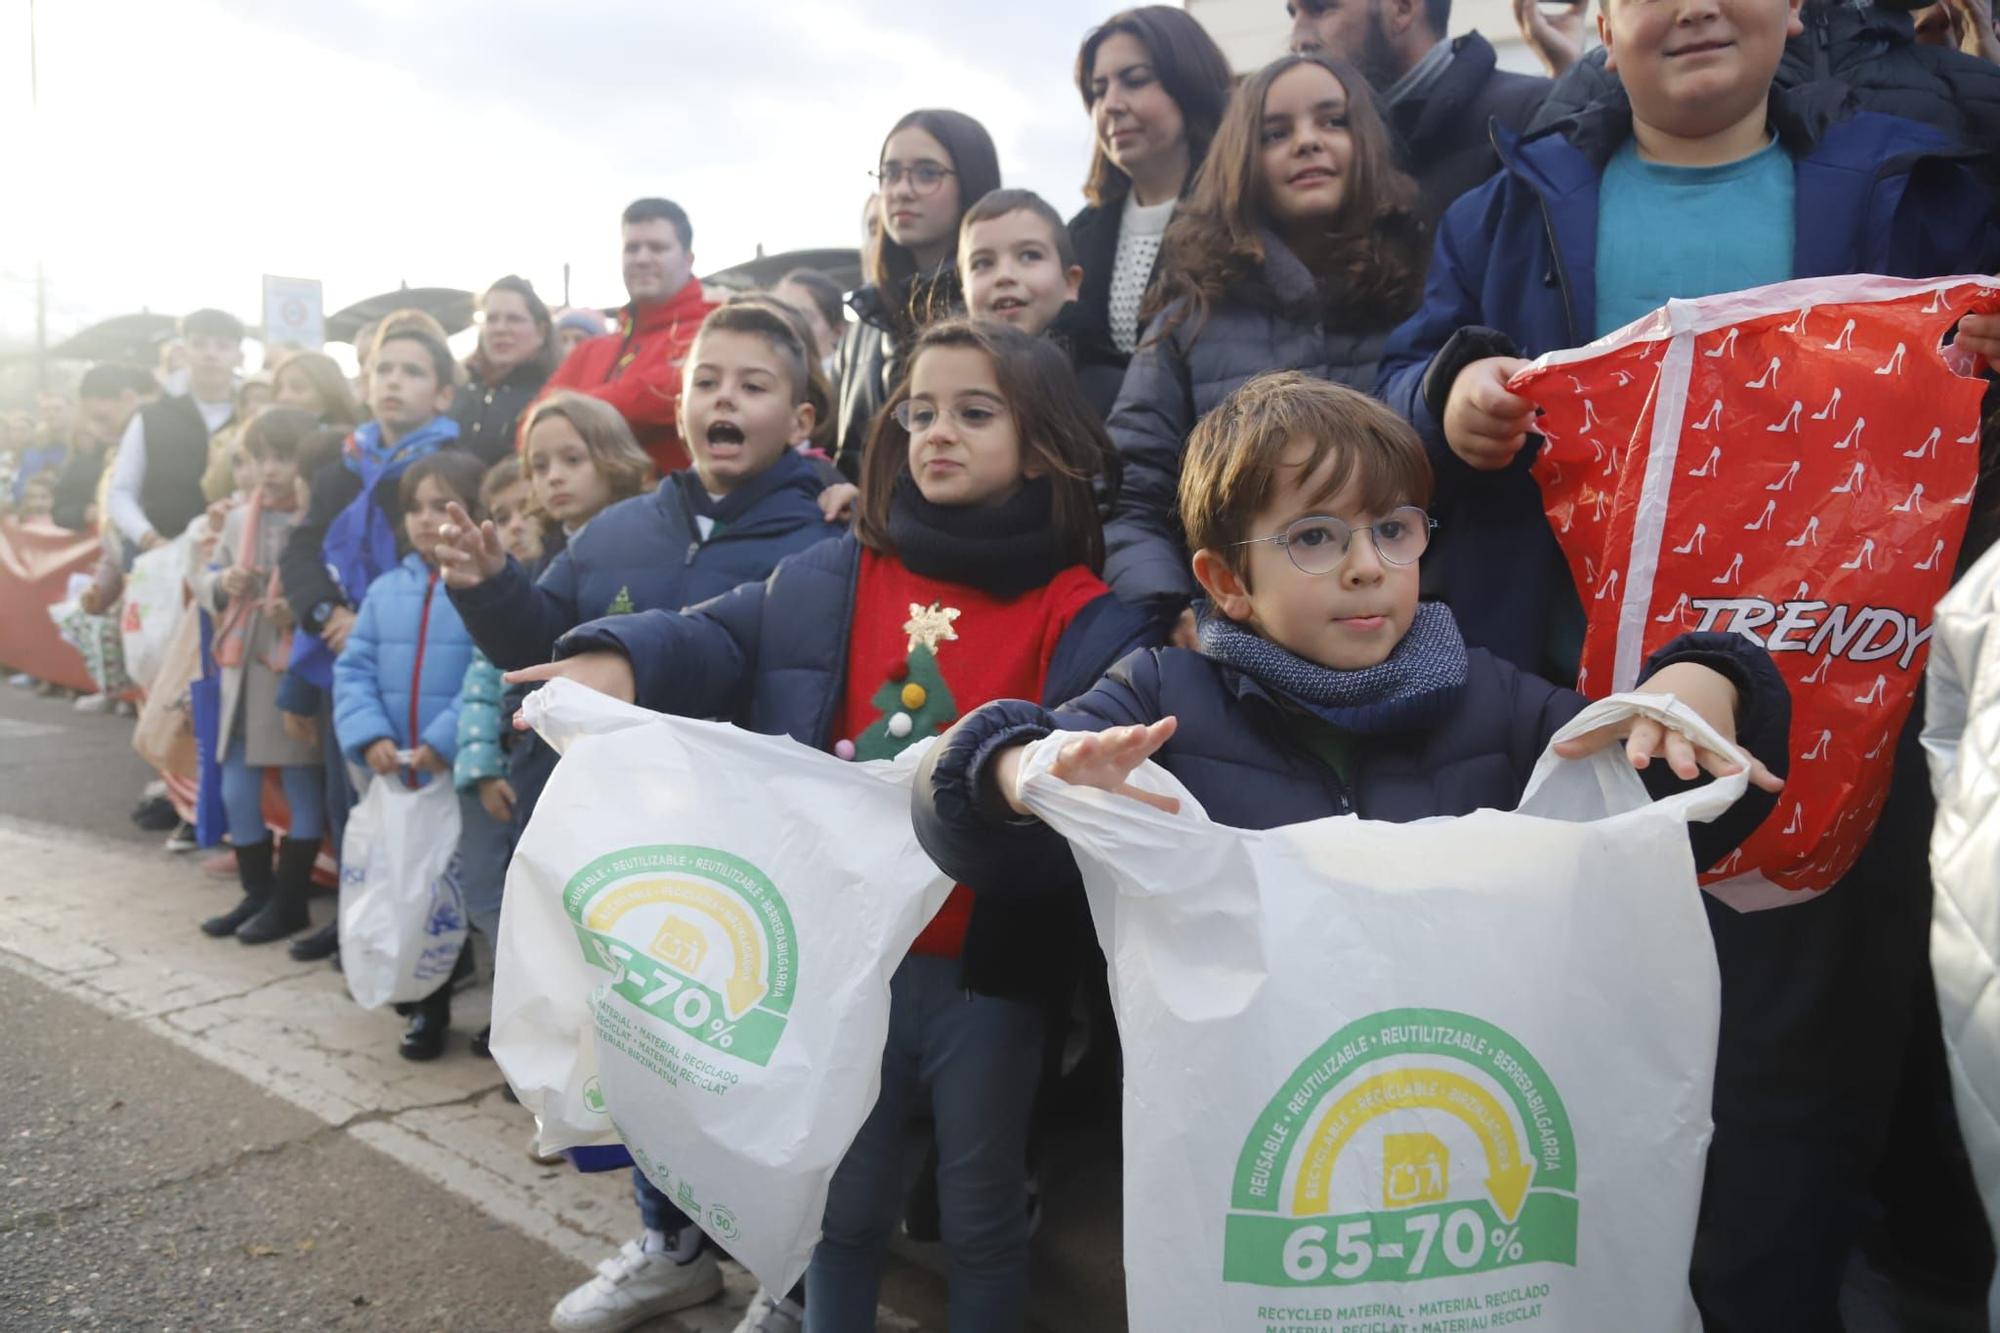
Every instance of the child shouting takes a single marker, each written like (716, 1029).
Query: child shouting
(749, 500)
(395, 684)
(971, 577)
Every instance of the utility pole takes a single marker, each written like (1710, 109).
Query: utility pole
(565, 283)
(41, 272)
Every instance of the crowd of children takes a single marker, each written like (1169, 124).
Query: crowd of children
(1164, 473)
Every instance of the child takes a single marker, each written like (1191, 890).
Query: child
(1298, 249)
(1322, 686)
(252, 645)
(313, 381)
(486, 801)
(971, 576)
(349, 534)
(395, 684)
(748, 501)
(933, 165)
(1015, 261)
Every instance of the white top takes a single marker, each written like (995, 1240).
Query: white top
(1140, 229)
(128, 473)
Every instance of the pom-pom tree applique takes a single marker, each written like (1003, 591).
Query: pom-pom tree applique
(914, 701)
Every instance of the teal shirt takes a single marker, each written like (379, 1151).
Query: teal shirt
(1689, 232)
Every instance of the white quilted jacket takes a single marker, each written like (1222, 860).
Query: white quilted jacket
(1962, 737)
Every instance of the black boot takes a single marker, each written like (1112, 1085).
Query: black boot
(322, 943)
(253, 869)
(423, 1039)
(286, 912)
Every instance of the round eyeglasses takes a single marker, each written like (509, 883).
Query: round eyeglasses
(1318, 543)
(918, 418)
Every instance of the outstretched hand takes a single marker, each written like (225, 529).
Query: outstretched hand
(1103, 759)
(468, 553)
(606, 672)
(1710, 694)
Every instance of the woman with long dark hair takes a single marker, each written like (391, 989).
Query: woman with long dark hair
(1156, 85)
(934, 165)
(1299, 248)
(517, 353)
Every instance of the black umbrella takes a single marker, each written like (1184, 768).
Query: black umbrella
(131, 338)
(448, 305)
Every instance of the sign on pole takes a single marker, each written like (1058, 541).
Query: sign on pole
(293, 313)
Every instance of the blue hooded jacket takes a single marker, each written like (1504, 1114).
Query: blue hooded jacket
(1513, 274)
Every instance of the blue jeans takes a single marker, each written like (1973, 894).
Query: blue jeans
(656, 1211)
(243, 800)
(981, 1057)
(485, 846)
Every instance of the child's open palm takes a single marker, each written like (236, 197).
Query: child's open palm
(468, 553)
(1105, 760)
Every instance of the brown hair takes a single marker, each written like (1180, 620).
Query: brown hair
(507, 472)
(456, 469)
(606, 438)
(1054, 422)
(976, 169)
(767, 317)
(277, 432)
(999, 203)
(545, 359)
(1190, 67)
(1369, 261)
(1236, 453)
(337, 406)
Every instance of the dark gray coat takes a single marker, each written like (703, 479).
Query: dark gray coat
(1174, 381)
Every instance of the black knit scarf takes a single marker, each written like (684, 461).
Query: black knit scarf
(1004, 550)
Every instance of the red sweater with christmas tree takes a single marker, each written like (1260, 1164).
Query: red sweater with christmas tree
(923, 652)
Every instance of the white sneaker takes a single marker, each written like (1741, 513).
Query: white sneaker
(767, 1314)
(21, 680)
(632, 1286)
(92, 703)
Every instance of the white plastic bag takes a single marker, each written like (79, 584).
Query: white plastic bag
(402, 914)
(154, 603)
(694, 959)
(1452, 1074)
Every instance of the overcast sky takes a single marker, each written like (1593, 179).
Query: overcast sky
(185, 147)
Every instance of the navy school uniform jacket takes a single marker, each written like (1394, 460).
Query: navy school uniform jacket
(1236, 750)
(1514, 273)
(772, 658)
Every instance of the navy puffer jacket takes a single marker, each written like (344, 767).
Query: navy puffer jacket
(647, 552)
(772, 658)
(1174, 381)
(1237, 752)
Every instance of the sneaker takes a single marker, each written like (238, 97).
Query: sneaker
(21, 680)
(155, 814)
(632, 1286)
(770, 1315)
(92, 703)
(182, 838)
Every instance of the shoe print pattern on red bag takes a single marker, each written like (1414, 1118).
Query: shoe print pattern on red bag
(1793, 463)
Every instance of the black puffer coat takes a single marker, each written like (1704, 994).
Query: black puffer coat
(1444, 138)
(1174, 381)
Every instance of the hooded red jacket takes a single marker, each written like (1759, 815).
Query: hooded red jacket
(638, 370)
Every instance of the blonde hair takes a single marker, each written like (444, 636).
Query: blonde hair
(614, 453)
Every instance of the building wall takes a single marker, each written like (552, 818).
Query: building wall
(1251, 32)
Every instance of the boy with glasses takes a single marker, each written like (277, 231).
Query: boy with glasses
(1323, 687)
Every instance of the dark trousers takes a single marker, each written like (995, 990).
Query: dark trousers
(1817, 1009)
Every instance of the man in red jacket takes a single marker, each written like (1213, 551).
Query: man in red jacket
(637, 369)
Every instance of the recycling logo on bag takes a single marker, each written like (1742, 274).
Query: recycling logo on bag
(695, 935)
(1413, 1144)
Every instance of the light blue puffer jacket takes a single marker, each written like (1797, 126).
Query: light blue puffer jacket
(400, 674)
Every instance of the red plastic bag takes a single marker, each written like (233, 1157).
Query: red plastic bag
(1793, 463)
